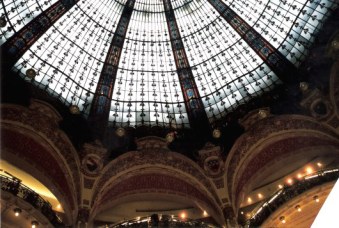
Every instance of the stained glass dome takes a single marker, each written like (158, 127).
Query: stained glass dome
(159, 62)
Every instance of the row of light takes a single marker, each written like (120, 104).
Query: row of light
(289, 181)
(298, 208)
(182, 215)
(17, 212)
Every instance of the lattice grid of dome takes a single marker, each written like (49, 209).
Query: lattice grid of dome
(146, 45)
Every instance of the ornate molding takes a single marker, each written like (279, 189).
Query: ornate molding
(262, 130)
(153, 183)
(44, 121)
(210, 159)
(283, 147)
(153, 154)
(33, 152)
(93, 159)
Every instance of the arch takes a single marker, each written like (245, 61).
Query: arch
(156, 182)
(154, 158)
(43, 150)
(269, 139)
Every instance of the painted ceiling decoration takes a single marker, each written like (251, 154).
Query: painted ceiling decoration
(158, 62)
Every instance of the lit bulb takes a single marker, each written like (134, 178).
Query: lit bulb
(298, 208)
(242, 212)
(282, 219)
(319, 164)
(309, 170)
(17, 212)
(205, 213)
(289, 181)
(316, 198)
(183, 215)
(280, 186)
(249, 200)
(299, 176)
(260, 196)
(34, 224)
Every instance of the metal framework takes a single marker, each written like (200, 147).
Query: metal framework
(270, 55)
(103, 96)
(193, 103)
(18, 44)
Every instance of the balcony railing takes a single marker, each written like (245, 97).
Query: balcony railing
(288, 192)
(20, 190)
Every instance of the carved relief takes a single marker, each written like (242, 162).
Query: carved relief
(153, 151)
(262, 130)
(44, 120)
(254, 116)
(93, 157)
(153, 182)
(317, 105)
(211, 160)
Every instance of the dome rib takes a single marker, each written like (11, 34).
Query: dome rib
(103, 96)
(285, 70)
(22, 40)
(194, 106)
(217, 54)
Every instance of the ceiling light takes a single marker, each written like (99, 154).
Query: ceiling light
(299, 175)
(260, 196)
(216, 133)
(316, 198)
(280, 186)
(205, 213)
(262, 114)
(74, 109)
(282, 219)
(303, 86)
(319, 164)
(309, 170)
(242, 212)
(120, 132)
(34, 224)
(249, 200)
(30, 73)
(289, 181)
(170, 137)
(17, 212)
(183, 215)
(298, 208)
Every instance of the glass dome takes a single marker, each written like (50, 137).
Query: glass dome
(143, 62)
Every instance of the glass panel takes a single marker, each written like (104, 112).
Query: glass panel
(19, 13)
(227, 71)
(69, 57)
(289, 25)
(147, 90)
